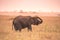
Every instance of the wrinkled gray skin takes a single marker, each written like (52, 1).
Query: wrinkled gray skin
(21, 22)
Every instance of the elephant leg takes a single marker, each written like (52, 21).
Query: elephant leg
(16, 28)
(20, 28)
(30, 28)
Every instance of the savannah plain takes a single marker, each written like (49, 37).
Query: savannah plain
(48, 30)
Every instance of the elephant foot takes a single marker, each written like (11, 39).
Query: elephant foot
(19, 30)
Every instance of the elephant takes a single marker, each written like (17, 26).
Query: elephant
(21, 22)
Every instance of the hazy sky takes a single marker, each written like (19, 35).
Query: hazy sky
(30, 5)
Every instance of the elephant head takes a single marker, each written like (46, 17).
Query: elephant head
(37, 20)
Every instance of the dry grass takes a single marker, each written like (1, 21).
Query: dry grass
(48, 30)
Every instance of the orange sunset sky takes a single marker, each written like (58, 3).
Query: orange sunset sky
(30, 5)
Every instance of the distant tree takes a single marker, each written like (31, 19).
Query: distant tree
(58, 14)
(34, 12)
(21, 11)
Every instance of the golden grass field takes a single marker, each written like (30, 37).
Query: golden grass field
(48, 30)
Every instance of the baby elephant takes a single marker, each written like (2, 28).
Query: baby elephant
(21, 22)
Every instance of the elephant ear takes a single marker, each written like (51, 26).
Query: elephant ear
(31, 20)
(34, 19)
